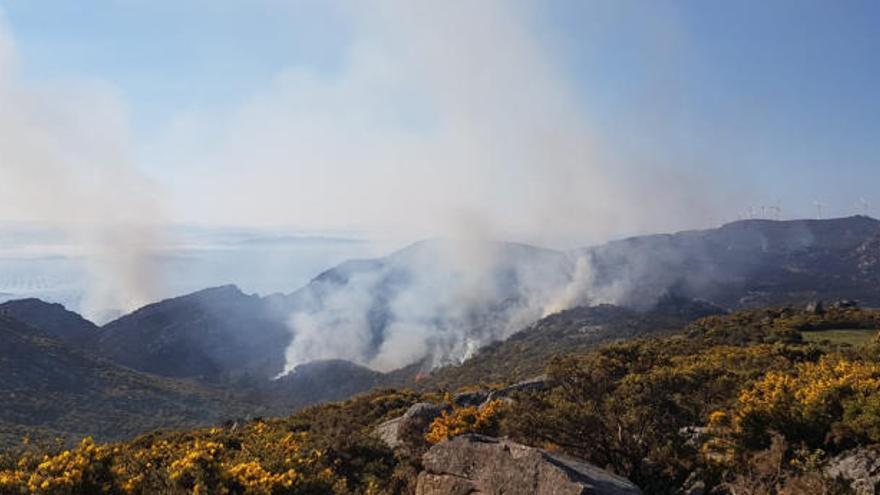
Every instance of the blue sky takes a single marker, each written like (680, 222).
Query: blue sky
(735, 103)
(168, 55)
(780, 94)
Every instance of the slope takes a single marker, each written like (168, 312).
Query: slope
(52, 319)
(215, 335)
(744, 264)
(50, 389)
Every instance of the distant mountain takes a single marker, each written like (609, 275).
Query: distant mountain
(746, 263)
(454, 297)
(48, 389)
(52, 320)
(216, 335)
(438, 303)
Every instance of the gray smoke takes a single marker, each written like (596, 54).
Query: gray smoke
(65, 162)
(436, 302)
(444, 118)
(506, 152)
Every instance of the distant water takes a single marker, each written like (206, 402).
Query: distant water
(40, 263)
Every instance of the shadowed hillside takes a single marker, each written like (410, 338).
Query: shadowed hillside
(52, 320)
(216, 335)
(48, 389)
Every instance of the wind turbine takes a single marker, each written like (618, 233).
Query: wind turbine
(753, 212)
(818, 205)
(776, 210)
(865, 205)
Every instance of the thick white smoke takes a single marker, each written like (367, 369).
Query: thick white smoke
(503, 149)
(436, 300)
(441, 113)
(64, 161)
(444, 119)
(448, 118)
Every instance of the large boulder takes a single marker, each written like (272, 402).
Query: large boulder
(476, 464)
(410, 427)
(860, 467)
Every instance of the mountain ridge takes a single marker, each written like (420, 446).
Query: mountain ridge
(222, 337)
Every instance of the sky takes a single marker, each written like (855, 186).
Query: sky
(559, 122)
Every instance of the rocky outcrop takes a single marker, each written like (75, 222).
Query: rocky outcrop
(530, 385)
(860, 467)
(411, 426)
(475, 464)
(470, 399)
(482, 397)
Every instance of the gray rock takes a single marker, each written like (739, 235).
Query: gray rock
(845, 304)
(815, 307)
(470, 399)
(414, 423)
(481, 398)
(860, 467)
(694, 485)
(532, 384)
(696, 488)
(476, 464)
(694, 435)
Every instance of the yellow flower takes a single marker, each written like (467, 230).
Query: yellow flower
(462, 420)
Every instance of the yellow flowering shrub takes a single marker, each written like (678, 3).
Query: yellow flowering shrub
(270, 457)
(78, 470)
(460, 420)
(833, 395)
(327, 449)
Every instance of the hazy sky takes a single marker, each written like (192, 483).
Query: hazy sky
(559, 121)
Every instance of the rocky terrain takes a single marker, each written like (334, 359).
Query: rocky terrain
(479, 464)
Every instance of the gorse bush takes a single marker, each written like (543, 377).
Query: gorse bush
(461, 420)
(318, 451)
(658, 410)
(832, 400)
(269, 461)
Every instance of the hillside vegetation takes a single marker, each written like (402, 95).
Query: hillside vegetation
(526, 353)
(738, 402)
(49, 390)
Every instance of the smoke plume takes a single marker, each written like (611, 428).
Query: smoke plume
(442, 117)
(64, 152)
(447, 119)
(502, 149)
(435, 302)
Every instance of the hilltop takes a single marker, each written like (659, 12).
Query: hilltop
(52, 320)
(748, 263)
